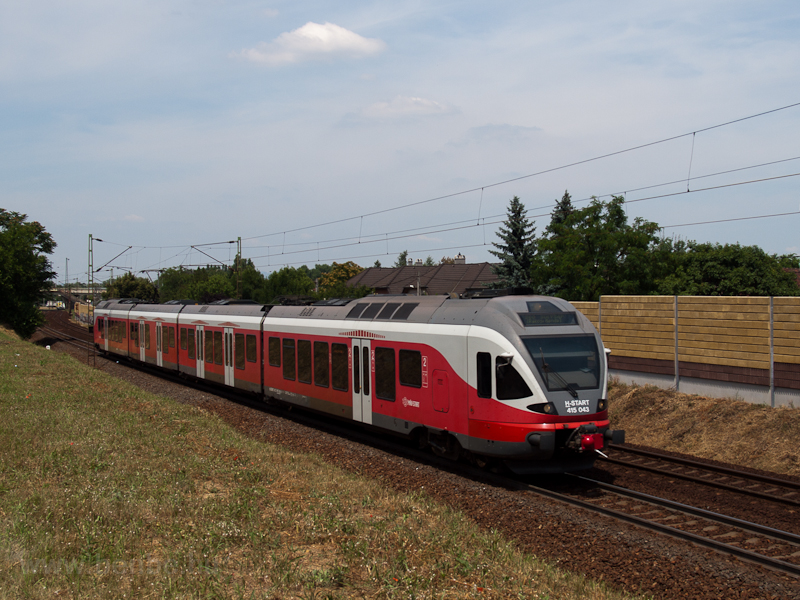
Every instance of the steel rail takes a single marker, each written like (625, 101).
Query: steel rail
(68, 339)
(698, 512)
(766, 561)
(705, 467)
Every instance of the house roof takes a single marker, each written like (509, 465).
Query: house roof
(441, 279)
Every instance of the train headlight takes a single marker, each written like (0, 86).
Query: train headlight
(601, 404)
(545, 408)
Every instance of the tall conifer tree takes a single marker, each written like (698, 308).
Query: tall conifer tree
(517, 250)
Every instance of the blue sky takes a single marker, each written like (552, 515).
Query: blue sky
(162, 125)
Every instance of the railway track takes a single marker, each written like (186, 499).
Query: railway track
(763, 487)
(772, 548)
(60, 320)
(69, 339)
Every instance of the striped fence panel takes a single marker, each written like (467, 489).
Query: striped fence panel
(741, 339)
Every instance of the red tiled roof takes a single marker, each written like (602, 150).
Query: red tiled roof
(440, 279)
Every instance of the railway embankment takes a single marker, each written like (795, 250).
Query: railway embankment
(726, 430)
(624, 556)
(107, 490)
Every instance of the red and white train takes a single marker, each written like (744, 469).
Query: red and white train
(521, 379)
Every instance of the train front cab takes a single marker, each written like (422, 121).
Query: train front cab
(539, 380)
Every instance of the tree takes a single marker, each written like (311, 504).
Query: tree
(26, 273)
(287, 282)
(377, 264)
(589, 252)
(517, 250)
(334, 283)
(251, 282)
(562, 210)
(402, 259)
(130, 286)
(315, 273)
(703, 269)
(429, 262)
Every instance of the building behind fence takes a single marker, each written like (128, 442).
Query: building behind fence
(742, 346)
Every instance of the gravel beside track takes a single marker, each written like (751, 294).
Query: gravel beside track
(621, 555)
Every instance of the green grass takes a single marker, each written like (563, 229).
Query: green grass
(108, 491)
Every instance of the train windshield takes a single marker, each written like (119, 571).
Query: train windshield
(566, 362)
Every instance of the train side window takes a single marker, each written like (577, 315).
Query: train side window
(218, 347)
(200, 341)
(238, 351)
(484, 364)
(510, 385)
(410, 368)
(304, 361)
(321, 375)
(252, 349)
(356, 371)
(385, 374)
(274, 352)
(365, 364)
(184, 338)
(209, 347)
(171, 336)
(339, 367)
(288, 359)
(122, 329)
(147, 336)
(190, 344)
(164, 339)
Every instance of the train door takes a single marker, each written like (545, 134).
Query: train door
(105, 333)
(159, 347)
(228, 358)
(362, 379)
(142, 339)
(200, 345)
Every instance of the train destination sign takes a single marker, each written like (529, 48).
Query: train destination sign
(548, 318)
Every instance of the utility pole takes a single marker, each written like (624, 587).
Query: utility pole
(238, 267)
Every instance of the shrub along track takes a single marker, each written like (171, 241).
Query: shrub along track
(622, 555)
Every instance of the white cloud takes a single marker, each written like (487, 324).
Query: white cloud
(402, 107)
(313, 41)
(504, 134)
(133, 219)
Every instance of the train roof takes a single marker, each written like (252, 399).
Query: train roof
(520, 314)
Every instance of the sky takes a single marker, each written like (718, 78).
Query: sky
(333, 131)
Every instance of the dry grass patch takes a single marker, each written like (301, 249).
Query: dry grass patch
(108, 491)
(726, 430)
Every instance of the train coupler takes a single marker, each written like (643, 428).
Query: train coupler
(586, 438)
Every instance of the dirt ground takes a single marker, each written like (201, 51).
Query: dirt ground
(724, 430)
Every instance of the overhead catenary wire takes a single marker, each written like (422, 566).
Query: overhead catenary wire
(433, 228)
(528, 176)
(385, 236)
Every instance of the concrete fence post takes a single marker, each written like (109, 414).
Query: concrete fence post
(771, 353)
(677, 368)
